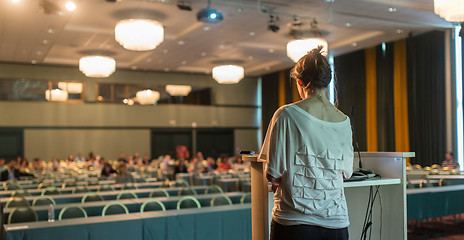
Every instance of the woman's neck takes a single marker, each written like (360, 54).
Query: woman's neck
(318, 93)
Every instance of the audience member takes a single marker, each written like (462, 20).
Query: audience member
(195, 165)
(123, 176)
(80, 158)
(450, 161)
(122, 157)
(146, 159)
(181, 166)
(55, 165)
(182, 152)
(2, 165)
(12, 173)
(224, 165)
(108, 170)
(37, 164)
(70, 158)
(210, 164)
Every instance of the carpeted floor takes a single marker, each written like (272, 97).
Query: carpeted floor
(448, 228)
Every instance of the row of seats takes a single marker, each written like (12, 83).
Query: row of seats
(24, 213)
(425, 183)
(44, 199)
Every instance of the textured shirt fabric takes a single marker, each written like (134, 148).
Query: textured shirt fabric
(310, 155)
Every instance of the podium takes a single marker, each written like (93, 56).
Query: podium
(389, 219)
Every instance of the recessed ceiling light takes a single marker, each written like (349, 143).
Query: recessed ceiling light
(222, 46)
(100, 98)
(239, 10)
(252, 33)
(70, 5)
(354, 44)
(165, 51)
(348, 24)
(15, 1)
(206, 28)
(60, 13)
(148, 59)
(134, 67)
(166, 69)
(180, 42)
(45, 41)
(203, 54)
(271, 50)
(183, 62)
(39, 52)
(51, 30)
(399, 30)
(250, 57)
(392, 9)
(34, 61)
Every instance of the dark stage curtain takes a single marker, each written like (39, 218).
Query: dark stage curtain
(426, 97)
(350, 75)
(385, 104)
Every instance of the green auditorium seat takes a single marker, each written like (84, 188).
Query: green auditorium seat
(50, 191)
(17, 202)
(114, 208)
(43, 200)
(159, 193)
(220, 200)
(20, 193)
(213, 189)
(22, 214)
(188, 202)
(246, 198)
(92, 197)
(126, 195)
(105, 188)
(152, 205)
(72, 212)
(80, 189)
(187, 192)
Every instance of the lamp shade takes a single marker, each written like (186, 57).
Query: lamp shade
(56, 95)
(178, 90)
(147, 97)
(139, 34)
(73, 88)
(97, 66)
(450, 10)
(228, 74)
(299, 47)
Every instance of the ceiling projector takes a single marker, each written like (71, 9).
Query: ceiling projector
(209, 15)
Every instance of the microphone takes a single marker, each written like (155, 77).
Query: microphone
(356, 145)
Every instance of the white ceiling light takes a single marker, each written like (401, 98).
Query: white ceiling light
(300, 47)
(147, 97)
(178, 90)
(70, 5)
(97, 66)
(228, 74)
(56, 95)
(70, 87)
(450, 10)
(139, 34)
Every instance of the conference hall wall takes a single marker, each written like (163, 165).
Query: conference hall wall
(396, 91)
(53, 129)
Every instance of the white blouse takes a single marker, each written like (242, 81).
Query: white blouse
(310, 155)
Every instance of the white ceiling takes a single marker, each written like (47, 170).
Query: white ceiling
(28, 35)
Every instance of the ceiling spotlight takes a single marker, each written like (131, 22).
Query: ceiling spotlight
(209, 15)
(272, 25)
(184, 5)
(70, 5)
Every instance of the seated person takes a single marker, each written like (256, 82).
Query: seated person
(210, 165)
(2, 165)
(80, 158)
(224, 166)
(123, 176)
(450, 161)
(195, 165)
(55, 165)
(12, 173)
(181, 166)
(107, 170)
(37, 164)
(122, 157)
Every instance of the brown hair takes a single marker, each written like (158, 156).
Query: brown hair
(313, 70)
